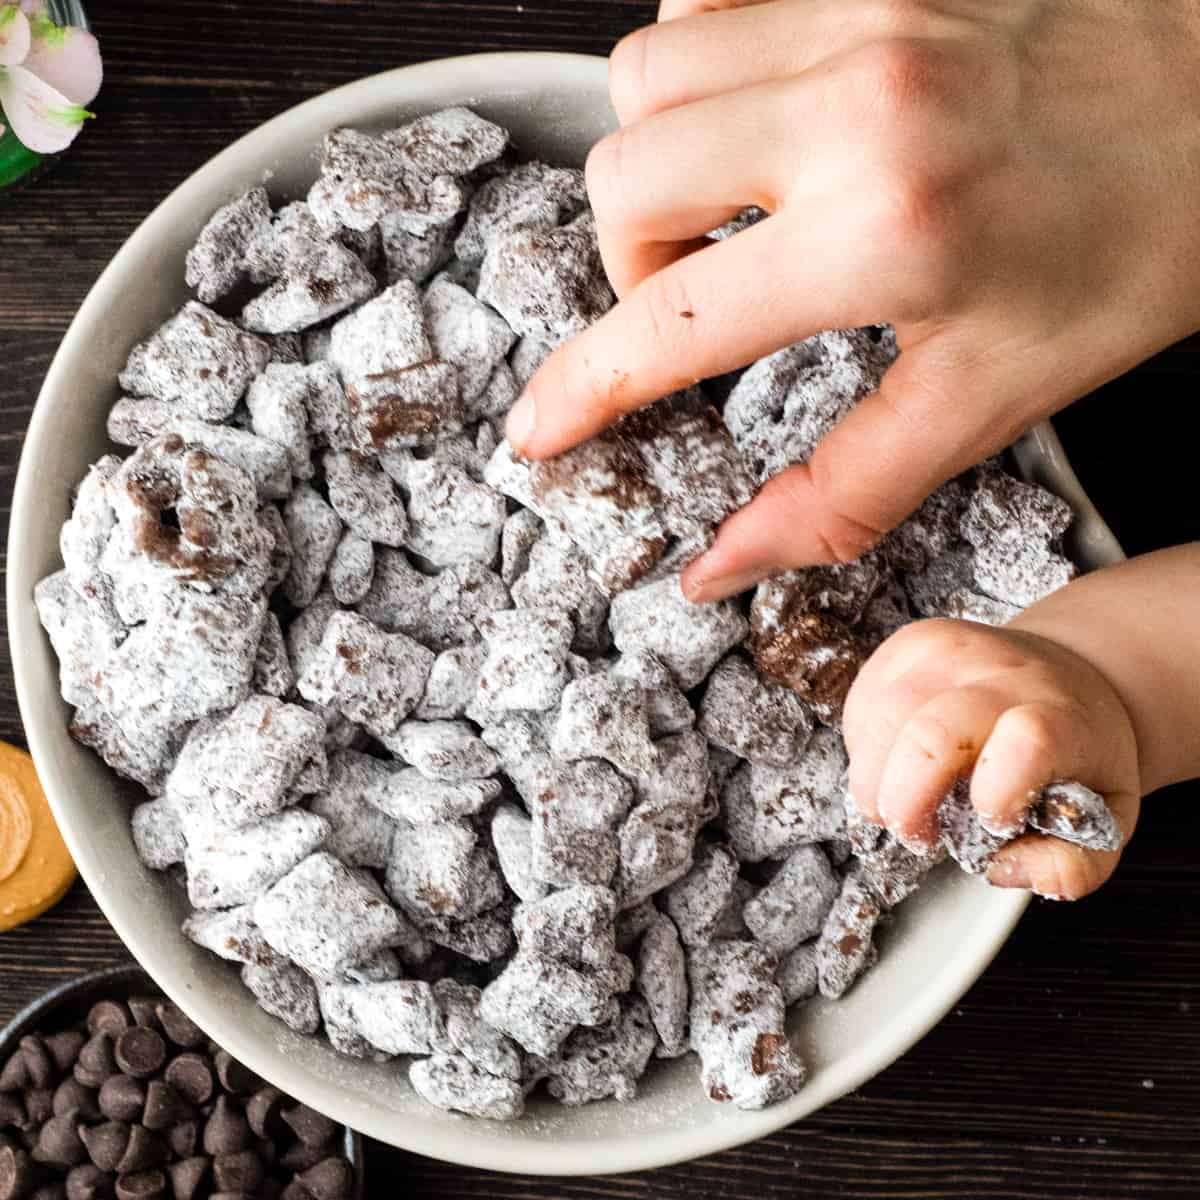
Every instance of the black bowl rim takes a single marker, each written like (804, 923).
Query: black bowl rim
(127, 979)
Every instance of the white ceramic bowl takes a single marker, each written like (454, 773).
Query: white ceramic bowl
(942, 940)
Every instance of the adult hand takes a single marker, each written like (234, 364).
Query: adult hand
(1010, 183)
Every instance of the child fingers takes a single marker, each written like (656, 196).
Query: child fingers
(1053, 868)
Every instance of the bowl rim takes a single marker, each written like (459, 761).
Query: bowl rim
(570, 1157)
(125, 980)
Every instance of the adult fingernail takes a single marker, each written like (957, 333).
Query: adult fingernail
(521, 422)
(701, 587)
(1009, 872)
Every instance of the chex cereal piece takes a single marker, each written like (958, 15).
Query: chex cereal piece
(546, 283)
(1074, 813)
(453, 1082)
(556, 574)
(365, 498)
(817, 657)
(323, 283)
(431, 871)
(360, 833)
(667, 708)
(1015, 528)
(452, 519)
(198, 360)
(521, 531)
(525, 665)
(446, 751)
(784, 404)
(737, 1026)
(697, 901)
(572, 925)
(214, 263)
(229, 933)
(603, 716)
(248, 765)
(319, 388)
(385, 334)
(314, 532)
(158, 834)
(413, 255)
(512, 838)
(846, 949)
(530, 196)
(373, 678)
(963, 834)
(743, 221)
(465, 1032)
(887, 612)
(272, 670)
(324, 917)
(451, 141)
(286, 348)
(482, 939)
(440, 612)
(607, 1060)
(398, 1016)
(929, 589)
(754, 717)
(285, 992)
(303, 636)
(382, 967)
(498, 396)
(631, 923)
(295, 235)
(278, 413)
(520, 743)
(930, 531)
(732, 925)
(841, 591)
(769, 810)
(576, 814)
(966, 605)
(82, 633)
(236, 866)
(662, 979)
(452, 683)
(526, 357)
(134, 422)
(890, 869)
(466, 333)
(340, 1025)
(351, 568)
(690, 639)
(792, 908)
(798, 974)
(85, 534)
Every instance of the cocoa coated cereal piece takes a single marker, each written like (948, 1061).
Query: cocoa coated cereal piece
(320, 284)
(285, 992)
(294, 235)
(214, 263)
(463, 1031)
(198, 360)
(793, 906)
(525, 668)
(738, 1026)
(603, 716)
(452, 519)
(482, 939)
(272, 670)
(452, 683)
(753, 717)
(413, 255)
(466, 333)
(697, 901)
(81, 632)
(512, 838)
(841, 591)
(396, 1017)
(521, 531)
(314, 531)
(929, 532)
(930, 588)
(359, 833)
(451, 141)
(890, 869)
(158, 834)
(351, 568)
(966, 605)
(768, 811)
(235, 866)
(548, 284)
(230, 933)
(281, 551)
(365, 498)
(411, 797)
(1074, 813)
(607, 1060)
(446, 751)
(797, 974)
(845, 948)
(324, 917)
(279, 414)
(688, 638)
(85, 534)
(556, 574)
(662, 979)
(373, 678)
(451, 1081)
(667, 708)
(432, 871)
(963, 835)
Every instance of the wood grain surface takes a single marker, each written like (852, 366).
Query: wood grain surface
(1072, 1069)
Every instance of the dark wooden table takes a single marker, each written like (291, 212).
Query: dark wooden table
(1072, 1069)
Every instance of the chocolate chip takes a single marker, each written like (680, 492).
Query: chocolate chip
(330, 1179)
(144, 1185)
(140, 1052)
(88, 1182)
(38, 1061)
(64, 1049)
(39, 1107)
(71, 1094)
(191, 1076)
(179, 1027)
(12, 1110)
(235, 1079)
(184, 1138)
(311, 1127)
(143, 1151)
(109, 1016)
(165, 1107)
(188, 1176)
(122, 1098)
(16, 1174)
(241, 1172)
(58, 1143)
(299, 1157)
(95, 1063)
(105, 1143)
(226, 1131)
(263, 1113)
(144, 1010)
(15, 1074)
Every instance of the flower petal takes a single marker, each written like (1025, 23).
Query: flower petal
(14, 35)
(41, 117)
(67, 58)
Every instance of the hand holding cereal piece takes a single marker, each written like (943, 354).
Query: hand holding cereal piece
(1018, 713)
(738, 1026)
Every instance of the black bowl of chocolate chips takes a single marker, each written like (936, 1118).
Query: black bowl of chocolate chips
(109, 1092)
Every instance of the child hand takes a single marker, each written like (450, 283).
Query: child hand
(941, 698)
